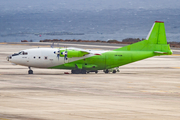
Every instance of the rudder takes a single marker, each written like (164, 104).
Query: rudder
(157, 34)
(155, 41)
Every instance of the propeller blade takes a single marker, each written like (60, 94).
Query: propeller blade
(58, 54)
(65, 54)
(52, 45)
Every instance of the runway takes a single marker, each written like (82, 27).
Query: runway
(144, 90)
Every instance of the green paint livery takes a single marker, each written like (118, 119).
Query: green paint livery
(154, 45)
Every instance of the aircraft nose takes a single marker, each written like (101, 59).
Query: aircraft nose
(8, 58)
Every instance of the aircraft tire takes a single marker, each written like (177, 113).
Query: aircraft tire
(83, 71)
(72, 71)
(106, 71)
(114, 71)
(30, 72)
(96, 71)
(77, 71)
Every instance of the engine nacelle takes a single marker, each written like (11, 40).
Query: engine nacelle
(73, 53)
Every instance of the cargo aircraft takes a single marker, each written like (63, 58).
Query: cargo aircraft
(82, 61)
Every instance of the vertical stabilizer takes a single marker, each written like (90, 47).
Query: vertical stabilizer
(155, 41)
(157, 34)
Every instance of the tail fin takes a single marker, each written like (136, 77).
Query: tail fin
(157, 35)
(155, 41)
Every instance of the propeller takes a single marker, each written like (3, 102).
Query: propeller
(57, 53)
(52, 45)
(65, 53)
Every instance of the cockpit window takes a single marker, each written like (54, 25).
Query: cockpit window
(15, 54)
(20, 53)
(24, 53)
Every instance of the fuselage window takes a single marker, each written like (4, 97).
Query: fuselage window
(45, 58)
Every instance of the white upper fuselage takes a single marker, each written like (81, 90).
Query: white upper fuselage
(44, 57)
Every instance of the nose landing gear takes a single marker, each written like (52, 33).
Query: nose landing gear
(30, 71)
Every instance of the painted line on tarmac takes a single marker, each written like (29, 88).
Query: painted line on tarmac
(176, 67)
(3, 119)
(3, 43)
(5, 52)
(175, 55)
(175, 50)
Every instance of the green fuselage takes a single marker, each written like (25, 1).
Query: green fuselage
(107, 60)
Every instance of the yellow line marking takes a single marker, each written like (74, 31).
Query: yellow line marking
(3, 43)
(18, 44)
(176, 67)
(3, 119)
(175, 55)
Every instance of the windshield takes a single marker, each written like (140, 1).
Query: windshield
(20, 53)
(15, 54)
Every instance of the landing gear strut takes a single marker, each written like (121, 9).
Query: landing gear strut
(30, 71)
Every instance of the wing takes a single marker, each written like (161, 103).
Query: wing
(85, 52)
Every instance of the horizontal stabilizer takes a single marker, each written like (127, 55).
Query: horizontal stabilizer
(159, 52)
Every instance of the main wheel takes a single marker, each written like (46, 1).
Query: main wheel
(114, 71)
(96, 71)
(106, 71)
(77, 71)
(30, 72)
(83, 71)
(72, 71)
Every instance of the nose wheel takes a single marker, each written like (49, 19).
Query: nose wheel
(30, 71)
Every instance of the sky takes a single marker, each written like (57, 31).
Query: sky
(54, 5)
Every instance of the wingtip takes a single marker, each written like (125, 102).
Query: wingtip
(159, 22)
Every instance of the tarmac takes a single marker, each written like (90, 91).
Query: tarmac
(144, 90)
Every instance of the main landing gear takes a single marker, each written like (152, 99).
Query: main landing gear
(113, 70)
(82, 71)
(30, 71)
(107, 71)
(78, 71)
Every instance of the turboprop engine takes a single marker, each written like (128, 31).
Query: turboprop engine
(72, 53)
